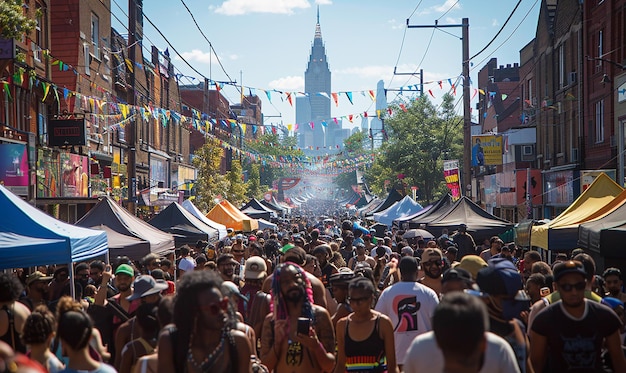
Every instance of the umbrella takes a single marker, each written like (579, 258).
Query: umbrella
(414, 233)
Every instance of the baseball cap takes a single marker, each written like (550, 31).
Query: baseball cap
(457, 274)
(145, 285)
(239, 236)
(229, 288)
(255, 268)
(407, 250)
(287, 247)
(500, 277)
(226, 258)
(571, 266)
(252, 238)
(431, 253)
(472, 264)
(125, 269)
(37, 276)
(342, 277)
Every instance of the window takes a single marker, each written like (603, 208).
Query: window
(562, 75)
(600, 49)
(87, 59)
(599, 125)
(36, 46)
(95, 38)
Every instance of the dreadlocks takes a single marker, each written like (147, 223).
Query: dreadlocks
(278, 302)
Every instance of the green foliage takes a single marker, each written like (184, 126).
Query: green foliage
(13, 21)
(353, 147)
(272, 144)
(253, 185)
(236, 190)
(210, 182)
(419, 140)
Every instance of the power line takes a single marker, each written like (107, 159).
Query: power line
(499, 31)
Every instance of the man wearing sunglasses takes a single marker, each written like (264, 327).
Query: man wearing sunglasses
(432, 265)
(575, 329)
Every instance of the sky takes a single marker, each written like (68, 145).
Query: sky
(265, 45)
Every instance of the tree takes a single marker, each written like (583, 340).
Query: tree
(353, 147)
(418, 142)
(210, 183)
(236, 189)
(13, 21)
(273, 145)
(253, 185)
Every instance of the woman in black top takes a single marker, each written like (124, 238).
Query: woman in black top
(365, 337)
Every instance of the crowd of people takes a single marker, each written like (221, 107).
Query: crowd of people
(318, 296)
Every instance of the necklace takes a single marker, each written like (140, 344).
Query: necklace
(210, 359)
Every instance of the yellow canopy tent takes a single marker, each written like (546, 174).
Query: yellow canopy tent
(227, 214)
(603, 196)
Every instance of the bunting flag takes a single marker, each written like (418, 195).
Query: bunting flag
(335, 98)
(378, 114)
(504, 96)
(129, 65)
(403, 107)
(289, 127)
(431, 93)
(269, 95)
(46, 90)
(365, 114)
(289, 98)
(7, 91)
(349, 95)
(474, 94)
(324, 94)
(482, 91)
(243, 128)
(324, 124)
(350, 117)
(372, 95)
(312, 125)
(440, 85)
(336, 121)
(450, 82)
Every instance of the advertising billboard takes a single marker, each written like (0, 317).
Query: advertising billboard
(486, 150)
(14, 168)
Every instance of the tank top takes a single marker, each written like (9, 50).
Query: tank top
(12, 336)
(367, 355)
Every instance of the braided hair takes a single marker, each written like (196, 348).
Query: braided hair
(278, 305)
(39, 325)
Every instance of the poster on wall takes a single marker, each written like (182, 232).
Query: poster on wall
(48, 174)
(486, 150)
(14, 168)
(74, 175)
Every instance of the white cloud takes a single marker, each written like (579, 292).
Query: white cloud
(395, 25)
(203, 57)
(323, 2)
(241, 7)
(288, 83)
(448, 5)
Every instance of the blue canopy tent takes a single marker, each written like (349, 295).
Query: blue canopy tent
(30, 237)
(405, 207)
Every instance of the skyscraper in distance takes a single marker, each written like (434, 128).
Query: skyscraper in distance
(313, 109)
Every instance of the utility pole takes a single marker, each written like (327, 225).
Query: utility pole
(132, 125)
(466, 179)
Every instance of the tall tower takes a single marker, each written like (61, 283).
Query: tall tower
(313, 109)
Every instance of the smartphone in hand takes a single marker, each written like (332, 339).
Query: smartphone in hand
(303, 325)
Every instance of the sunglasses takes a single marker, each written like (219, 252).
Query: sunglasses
(579, 286)
(214, 308)
(438, 263)
(358, 300)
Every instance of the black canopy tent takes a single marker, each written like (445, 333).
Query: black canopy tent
(186, 228)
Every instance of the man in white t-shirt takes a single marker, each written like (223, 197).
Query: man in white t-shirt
(426, 355)
(410, 306)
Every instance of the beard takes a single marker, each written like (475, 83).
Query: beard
(123, 287)
(294, 295)
(433, 274)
